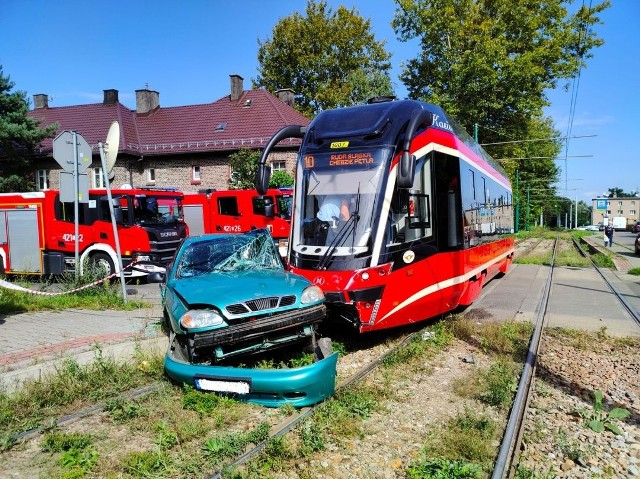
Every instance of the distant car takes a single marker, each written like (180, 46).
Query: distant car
(638, 244)
(592, 228)
(228, 296)
(636, 227)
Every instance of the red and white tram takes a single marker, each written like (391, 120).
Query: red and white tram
(399, 215)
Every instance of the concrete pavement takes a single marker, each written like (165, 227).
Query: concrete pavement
(33, 344)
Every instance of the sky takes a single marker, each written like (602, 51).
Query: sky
(72, 50)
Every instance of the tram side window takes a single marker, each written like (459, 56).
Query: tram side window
(411, 209)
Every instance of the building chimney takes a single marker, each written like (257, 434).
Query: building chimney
(110, 97)
(236, 87)
(286, 96)
(40, 100)
(147, 100)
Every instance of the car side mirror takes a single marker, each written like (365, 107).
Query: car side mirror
(156, 277)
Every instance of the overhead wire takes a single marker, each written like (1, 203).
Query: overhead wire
(575, 87)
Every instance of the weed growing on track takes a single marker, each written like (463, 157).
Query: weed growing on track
(73, 385)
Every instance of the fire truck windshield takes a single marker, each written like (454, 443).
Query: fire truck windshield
(338, 201)
(156, 210)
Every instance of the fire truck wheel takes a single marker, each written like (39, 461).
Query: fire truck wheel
(102, 260)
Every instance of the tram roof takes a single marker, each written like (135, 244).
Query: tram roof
(386, 120)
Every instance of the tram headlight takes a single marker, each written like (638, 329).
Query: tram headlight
(311, 294)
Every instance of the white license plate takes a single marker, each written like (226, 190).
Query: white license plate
(216, 385)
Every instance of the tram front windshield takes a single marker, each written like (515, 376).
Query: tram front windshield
(338, 201)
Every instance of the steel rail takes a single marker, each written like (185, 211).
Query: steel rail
(634, 314)
(71, 418)
(309, 411)
(513, 431)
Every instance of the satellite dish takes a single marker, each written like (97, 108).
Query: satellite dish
(111, 148)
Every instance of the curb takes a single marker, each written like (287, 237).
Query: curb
(14, 379)
(621, 264)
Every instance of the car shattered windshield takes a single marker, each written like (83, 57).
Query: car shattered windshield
(216, 253)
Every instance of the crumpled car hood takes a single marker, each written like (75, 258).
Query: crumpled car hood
(222, 288)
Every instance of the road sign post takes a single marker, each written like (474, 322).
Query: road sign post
(73, 154)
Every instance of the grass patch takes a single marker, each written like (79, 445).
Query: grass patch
(463, 447)
(602, 260)
(433, 339)
(534, 259)
(634, 271)
(510, 338)
(97, 297)
(40, 402)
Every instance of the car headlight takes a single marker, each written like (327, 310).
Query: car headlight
(200, 318)
(311, 294)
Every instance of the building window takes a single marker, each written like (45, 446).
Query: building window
(619, 204)
(620, 212)
(195, 175)
(278, 165)
(42, 180)
(608, 212)
(98, 179)
(151, 176)
(632, 212)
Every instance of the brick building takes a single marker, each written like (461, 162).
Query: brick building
(627, 207)
(186, 147)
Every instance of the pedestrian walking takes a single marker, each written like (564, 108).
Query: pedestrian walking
(608, 233)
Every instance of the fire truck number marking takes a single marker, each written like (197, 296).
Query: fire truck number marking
(232, 228)
(66, 237)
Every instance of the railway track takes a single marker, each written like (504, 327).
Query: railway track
(363, 361)
(508, 456)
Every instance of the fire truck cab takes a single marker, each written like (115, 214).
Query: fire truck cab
(37, 231)
(238, 211)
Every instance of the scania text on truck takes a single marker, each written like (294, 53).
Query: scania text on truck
(399, 215)
(37, 231)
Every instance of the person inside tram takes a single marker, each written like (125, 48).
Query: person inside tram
(334, 208)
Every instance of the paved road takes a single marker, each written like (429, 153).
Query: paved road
(31, 344)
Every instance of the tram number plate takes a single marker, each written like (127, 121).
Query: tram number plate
(216, 385)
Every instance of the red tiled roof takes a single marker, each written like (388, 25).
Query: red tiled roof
(248, 122)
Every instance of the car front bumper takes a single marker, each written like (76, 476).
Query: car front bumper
(300, 387)
(279, 328)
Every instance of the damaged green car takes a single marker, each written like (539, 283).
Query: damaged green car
(228, 296)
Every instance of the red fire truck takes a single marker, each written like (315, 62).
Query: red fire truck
(237, 211)
(37, 231)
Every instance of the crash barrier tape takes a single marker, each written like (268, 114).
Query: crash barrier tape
(15, 287)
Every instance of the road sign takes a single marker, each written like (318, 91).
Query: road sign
(67, 189)
(63, 151)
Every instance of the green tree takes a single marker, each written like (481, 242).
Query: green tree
(620, 193)
(280, 178)
(490, 63)
(19, 135)
(244, 164)
(329, 59)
